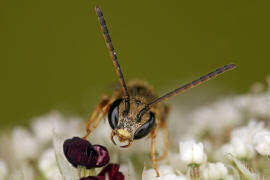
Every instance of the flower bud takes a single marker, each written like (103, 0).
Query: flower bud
(113, 172)
(80, 152)
(191, 152)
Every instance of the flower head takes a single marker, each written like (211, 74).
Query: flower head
(191, 152)
(240, 144)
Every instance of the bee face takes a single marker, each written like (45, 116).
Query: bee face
(126, 125)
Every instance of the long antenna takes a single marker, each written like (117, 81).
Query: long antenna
(113, 56)
(186, 87)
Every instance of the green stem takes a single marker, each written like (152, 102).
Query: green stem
(194, 172)
(92, 172)
(83, 172)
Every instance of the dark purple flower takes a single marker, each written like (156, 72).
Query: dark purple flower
(80, 152)
(93, 178)
(111, 170)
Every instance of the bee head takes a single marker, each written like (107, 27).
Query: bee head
(129, 124)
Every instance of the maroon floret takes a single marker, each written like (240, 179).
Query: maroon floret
(80, 152)
(111, 171)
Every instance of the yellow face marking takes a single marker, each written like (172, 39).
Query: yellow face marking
(123, 133)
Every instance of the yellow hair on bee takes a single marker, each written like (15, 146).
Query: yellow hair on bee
(123, 133)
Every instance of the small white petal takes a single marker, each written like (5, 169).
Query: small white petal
(261, 141)
(198, 154)
(241, 148)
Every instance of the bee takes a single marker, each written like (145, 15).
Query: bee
(134, 111)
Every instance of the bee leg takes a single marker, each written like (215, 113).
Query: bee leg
(165, 132)
(153, 150)
(100, 110)
(166, 142)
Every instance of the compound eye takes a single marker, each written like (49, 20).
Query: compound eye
(145, 128)
(113, 113)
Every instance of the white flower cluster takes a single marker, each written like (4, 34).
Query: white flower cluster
(216, 171)
(245, 141)
(228, 139)
(25, 151)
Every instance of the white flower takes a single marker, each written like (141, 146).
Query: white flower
(241, 148)
(165, 172)
(240, 144)
(261, 141)
(48, 167)
(42, 126)
(191, 152)
(215, 171)
(25, 145)
(3, 170)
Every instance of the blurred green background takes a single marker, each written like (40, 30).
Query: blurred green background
(53, 55)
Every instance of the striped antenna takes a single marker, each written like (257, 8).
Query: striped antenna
(186, 87)
(113, 55)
